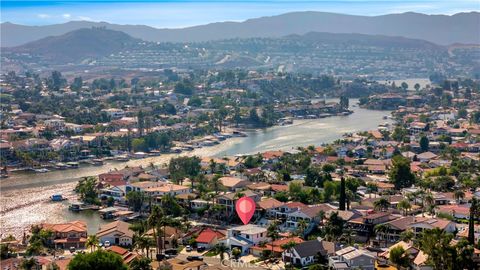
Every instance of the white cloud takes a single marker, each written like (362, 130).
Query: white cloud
(84, 18)
(66, 16)
(43, 16)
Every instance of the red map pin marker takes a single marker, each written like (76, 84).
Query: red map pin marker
(245, 207)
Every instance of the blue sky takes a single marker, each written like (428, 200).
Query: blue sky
(182, 13)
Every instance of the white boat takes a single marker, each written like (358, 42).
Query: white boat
(42, 170)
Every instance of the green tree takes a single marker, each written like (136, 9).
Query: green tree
(474, 213)
(92, 242)
(399, 257)
(436, 244)
(424, 143)
(404, 205)
(135, 200)
(183, 167)
(334, 226)
(400, 174)
(141, 263)
(381, 204)
(87, 189)
(221, 249)
(97, 260)
(343, 195)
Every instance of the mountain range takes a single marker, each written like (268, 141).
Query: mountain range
(77, 45)
(439, 29)
(97, 42)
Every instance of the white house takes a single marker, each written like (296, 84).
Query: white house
(117, 233)
(243, 237)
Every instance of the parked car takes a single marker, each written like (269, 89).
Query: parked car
(188, 248)
(72, 249)
(200, 249)
(106, 244)
(195, 258)
(171, 251)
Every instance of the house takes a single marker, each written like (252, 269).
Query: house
(305, 253)
(177, 264)
(117, 233)
(426, 156)
(275, 246)
(269, 207)
(244, 237)
(127, 256)
(170, 238)
(308, 213)
(69, 234)
(429, 223)
(363, 226)
(352, 258)
(394, 230)
(208, 238)
(233, 183)
(170, 189)
(228, 200)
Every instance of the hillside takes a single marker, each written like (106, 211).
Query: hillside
(78, 45)
(439, 29)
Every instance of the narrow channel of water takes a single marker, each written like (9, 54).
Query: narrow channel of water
(25, 196)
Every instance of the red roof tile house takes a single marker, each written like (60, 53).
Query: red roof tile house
(127, 255)
(208, 238)
(276, 246)
(70, 234)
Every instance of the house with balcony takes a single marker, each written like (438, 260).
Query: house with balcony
(69, 234)
(245, 236)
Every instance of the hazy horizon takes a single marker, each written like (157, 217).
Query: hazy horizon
(179, 13)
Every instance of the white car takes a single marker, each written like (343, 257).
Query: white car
(106, 244)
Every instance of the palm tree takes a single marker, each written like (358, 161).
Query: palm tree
(371, 188)
(154, 222)
(429, 201)
(404, 205)
(221, 249)
(272, 233)
(143, 243)
(302, 226)
(381, 231)
(141, 263)
(459, 195)
(92, 242)
(381, 205)
(213, 166)
(289, 247)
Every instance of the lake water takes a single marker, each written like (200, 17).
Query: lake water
(25, 196)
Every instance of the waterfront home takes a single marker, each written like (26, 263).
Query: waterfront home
(307, 252)
(117, 233)
(69, 234)
(144, 185)
(170, 189)
(245, 236)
